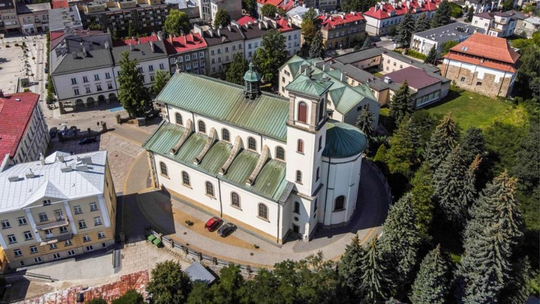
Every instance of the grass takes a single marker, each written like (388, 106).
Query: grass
(474, 110)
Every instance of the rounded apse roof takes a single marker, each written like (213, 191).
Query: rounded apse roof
(343, 140)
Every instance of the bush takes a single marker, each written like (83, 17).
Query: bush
(416, 54)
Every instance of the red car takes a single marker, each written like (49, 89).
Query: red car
(213, 224)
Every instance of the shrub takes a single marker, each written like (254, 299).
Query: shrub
(416, 54)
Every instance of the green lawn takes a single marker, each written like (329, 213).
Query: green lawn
(475, 110)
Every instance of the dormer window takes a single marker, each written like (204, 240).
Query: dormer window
(46, 202)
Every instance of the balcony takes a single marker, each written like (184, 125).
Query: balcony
(57, 224)
(56, 239)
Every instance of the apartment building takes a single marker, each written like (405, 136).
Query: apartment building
(339, 30)
(57, 207)
(23, 130)
(63, 18)
(187, 53)
(233, 7)
(8, 17)
(33, 18)
(495, 24)
(222, 43)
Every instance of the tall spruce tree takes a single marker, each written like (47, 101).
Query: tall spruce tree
(402, 156)
(133, 95)
(442, 142)
(472, 144)
(401, 104)
(432, 285)
(316, 50)
(422, 200)
(405, 30)
(469, 194)
(442, 15)
(349, 267)
(528, 159)
(375, 285)
(364, 122)
(422, 23)
(400, 242)
(432, 57)
(517, 290)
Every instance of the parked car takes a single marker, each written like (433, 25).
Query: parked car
(87, 140)
(226, 229)
(53, 132)
(213, 223)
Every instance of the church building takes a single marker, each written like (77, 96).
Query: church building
(277, 167)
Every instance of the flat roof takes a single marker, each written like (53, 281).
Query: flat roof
(452, 31)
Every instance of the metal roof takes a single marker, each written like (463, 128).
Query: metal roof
(308, 85)
(251, 75)
(242, 167)
(198, 273)
(94, 59)
(271, 180)
(142, 52)
(223, 101)
(216, 157)
(343, 140)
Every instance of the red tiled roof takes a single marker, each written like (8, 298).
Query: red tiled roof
(287, 6)
(385, 10)
(59, 4)
(480, 62)
(272, 2)
(246, 19)
(134, 41)
(56, 34)
(416, 78)
(333, 20)
(489, 47)
(184, 43)
(15, 113)
(283, 25)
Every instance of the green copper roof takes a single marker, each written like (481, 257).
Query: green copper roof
(216, 157)
(309, 86)
(271, 180)
(191, 148)
(242, 167)
(343, 140)
(223, 101)
(251, 75)
(164, 138)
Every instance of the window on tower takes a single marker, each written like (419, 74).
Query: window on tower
(302, 112)
(300, 146)
(298, 176)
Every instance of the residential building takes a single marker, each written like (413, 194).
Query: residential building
(233, 7)
(495, 23)
(483, 64)
(295, 14)
(222, 43)
(275, 166)
(458, 31)
(189, 7)
(340, 30)
(384, 15)
(23, 130)
(8, 17)
(64, 18)
(481, 6)
(187, 53)
(529, 26)
(117, 16)
(57, 207)
(33, 18)
(284, 4)
(205, 12)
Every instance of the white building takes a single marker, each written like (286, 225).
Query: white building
(23, 131)
(233, 7)
(296, 14)
(495, 24)
(458, 31)
(62, 18)
(276, 166)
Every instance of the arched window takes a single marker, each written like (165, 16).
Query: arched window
(163, 169)
(300, 146)
(280, 153)
(225, 135)
(298, 176)
(185, 178)
(235, 199)
(178, 118)
(209, 189)
(296, 208)
(263, 211)
(302, 112)
(252, 143)
(202, 126)
(339, 204)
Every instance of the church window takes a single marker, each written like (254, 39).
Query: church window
(209, 189)
(263, 211)
(296, 207)
(185, 178)
(280, 153)
(252, 144)
(225, 135)
(298, 176)
(178, 118)
(202, 126)
(302, 112)
(163, 169)
(339, 203)
(235, 199)
(300, 146)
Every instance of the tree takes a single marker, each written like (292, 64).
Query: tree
(176, 23)
(311, 14)
(401, 157)
(317, 47)
(133, 95)
(97, 301)
(364, 122)
(367, 43)
(422, 200)
(448, 45)
(227, 289)
(391, 30)
(422, 23)
(309, 31)
(130, 297)
(281, 11)
(470, 14)
(200, 294)
(432, 57)
(169, 284)
(375, 285)
(160, 80)
(223, 19)
(431, 285)
(237, 69)
(472, 144)
(270, 56)
(442, 142)
(250, 6)
(456, 10)
(269, 10)
(401, 104)
(349, 267)
(507, 5)
(405, 30)
(442, 15)
(131, 30)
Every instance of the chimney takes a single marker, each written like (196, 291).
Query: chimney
(229, 27)
(171, 38)
(84, 52)
(160, 35)
(343, 76)
(130, 46)
(152, 47)
(42, 159)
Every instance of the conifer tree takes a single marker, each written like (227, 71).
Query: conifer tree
(442, 141)
(442, 15)
(528, 159)
(364, 122)
(405, 30)
(422, 199)
(422, 23)
(401, 157)
(431, 285)
(469, 193)
(432, 56)
(375, 286)
(472, 144)
(518, 288)
(316, 50)
(349, 267)
(400, 241)
(367, 43)
(401, 104)
(470, 14)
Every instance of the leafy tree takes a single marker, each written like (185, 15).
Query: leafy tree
(422, 23)
(400, 241)
(375, 285)
(432, 57)
(470, 14)
(367, 43)
(401, 157)
(50, 90)
(455, 10)
(237, 69)
(405, 30)
(528, 79)
(431, 285)
(176, 23)
(250, 6)
(200, 294)
(422, 200)
(130, 297)
(131, 30)
(230, 282)
(364, 122)
(447, 46)
(442, 142)
(442, 15)
(169, 284)
(349, 267)
(133, 95)
(269, 10)
(318, 280)
(281, 11)
(317, 47)
(309, 31)
(160, 80)
(270, 56)
(223, 19)
(401, 104)
(311, 14)
(391, 30)
(507, 5)
(502, 141)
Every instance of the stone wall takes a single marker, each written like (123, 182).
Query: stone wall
(468, 80)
